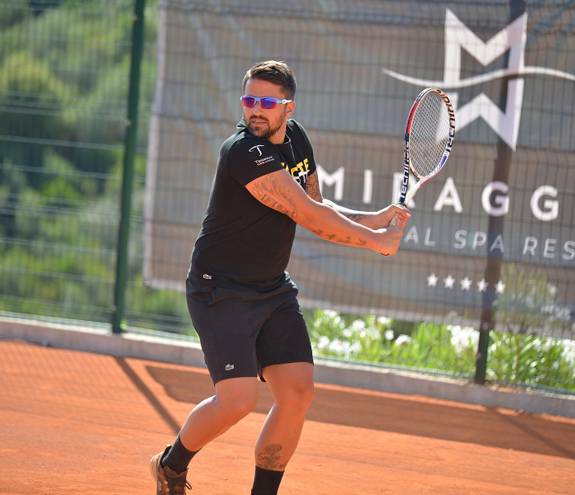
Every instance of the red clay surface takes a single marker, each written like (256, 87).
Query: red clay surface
(80, 423)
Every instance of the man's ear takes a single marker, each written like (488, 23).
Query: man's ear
(291, 108)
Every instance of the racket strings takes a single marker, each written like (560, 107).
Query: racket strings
(429, 135)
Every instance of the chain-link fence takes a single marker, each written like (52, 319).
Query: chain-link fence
(64, 85)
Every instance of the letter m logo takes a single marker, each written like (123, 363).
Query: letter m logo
(457, 37)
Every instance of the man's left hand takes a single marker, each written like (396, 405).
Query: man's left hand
(397, 213)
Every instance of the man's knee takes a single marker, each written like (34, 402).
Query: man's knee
(297, 395)
(237, 398)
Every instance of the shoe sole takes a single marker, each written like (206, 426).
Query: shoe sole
(154, 466)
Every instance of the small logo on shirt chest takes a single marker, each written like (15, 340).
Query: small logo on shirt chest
(257, 148)
(263, 161)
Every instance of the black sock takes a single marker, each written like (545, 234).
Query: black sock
(266, 481)
(178, 457)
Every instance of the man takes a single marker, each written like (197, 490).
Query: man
(242, 302)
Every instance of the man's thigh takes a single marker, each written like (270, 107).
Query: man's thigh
(283, 337)
(227, 332)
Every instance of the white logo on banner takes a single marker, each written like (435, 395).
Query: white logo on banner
(512, 38)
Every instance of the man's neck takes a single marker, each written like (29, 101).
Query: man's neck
(279, 137)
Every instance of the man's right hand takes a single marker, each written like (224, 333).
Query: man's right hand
(388, 240)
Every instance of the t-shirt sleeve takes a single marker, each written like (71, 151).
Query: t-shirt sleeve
(249, 159)
(309, 147)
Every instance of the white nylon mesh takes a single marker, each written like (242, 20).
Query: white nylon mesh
(429, 135)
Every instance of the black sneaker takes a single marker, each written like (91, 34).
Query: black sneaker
(168, 482)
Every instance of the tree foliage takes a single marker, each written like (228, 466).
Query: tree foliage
(64, 81)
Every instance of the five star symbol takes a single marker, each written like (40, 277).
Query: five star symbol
(465, 283)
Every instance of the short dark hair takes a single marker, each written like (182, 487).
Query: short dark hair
(273, 71)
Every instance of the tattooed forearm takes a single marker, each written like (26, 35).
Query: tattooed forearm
(348, 241)
(271, 458)
(312, 188)
(278, 191)
(272, 195)
(356, 216)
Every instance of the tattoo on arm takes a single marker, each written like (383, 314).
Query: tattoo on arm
(269, 192)
(312, 188)
(356, 216)
(282, 194)
(314, 192)
(347, 241)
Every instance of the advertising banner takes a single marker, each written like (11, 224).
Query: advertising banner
(493, 232)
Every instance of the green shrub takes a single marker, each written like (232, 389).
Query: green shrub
(450, 349)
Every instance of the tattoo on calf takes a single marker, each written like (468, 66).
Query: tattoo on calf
(270, 457)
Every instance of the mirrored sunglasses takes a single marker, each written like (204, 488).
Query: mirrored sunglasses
(266, 102)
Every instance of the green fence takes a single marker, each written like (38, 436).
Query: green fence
(64, 86)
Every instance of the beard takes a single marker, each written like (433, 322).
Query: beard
(263, 128)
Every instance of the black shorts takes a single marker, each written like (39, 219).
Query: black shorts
(242, 332)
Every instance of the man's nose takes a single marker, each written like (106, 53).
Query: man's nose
(256, 110)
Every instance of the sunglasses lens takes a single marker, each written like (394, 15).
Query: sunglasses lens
(268, 103)
(249, 101)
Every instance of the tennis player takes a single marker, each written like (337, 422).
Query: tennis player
(242, 301)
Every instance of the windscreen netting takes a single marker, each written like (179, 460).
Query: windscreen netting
(493, 232)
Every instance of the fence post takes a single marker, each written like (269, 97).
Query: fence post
(481, 355)
(492, 273)
(128, 167)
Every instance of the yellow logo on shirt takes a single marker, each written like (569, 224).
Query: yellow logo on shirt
(299, 171)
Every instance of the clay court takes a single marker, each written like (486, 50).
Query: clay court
(81, 423)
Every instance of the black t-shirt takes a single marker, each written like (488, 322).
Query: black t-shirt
(242, 241)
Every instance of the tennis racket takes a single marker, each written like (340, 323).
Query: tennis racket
(429, 135)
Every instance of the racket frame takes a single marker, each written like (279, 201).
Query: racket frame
(405, 193)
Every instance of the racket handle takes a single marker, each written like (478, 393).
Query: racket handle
(403, 196)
